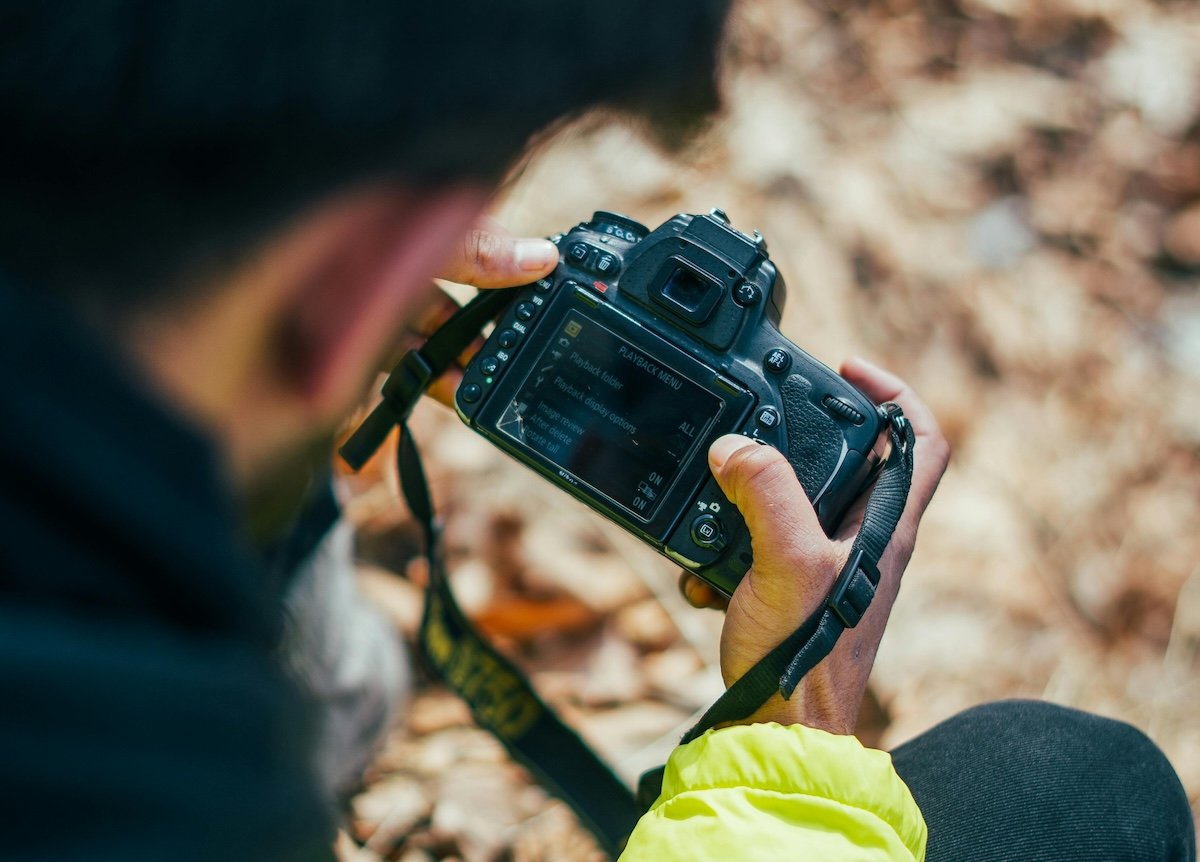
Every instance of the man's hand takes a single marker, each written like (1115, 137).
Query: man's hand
(488, 257)
(795, 564)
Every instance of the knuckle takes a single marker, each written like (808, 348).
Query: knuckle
(483, 250)
(756, 469)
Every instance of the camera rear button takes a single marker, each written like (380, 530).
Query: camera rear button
(777, 361)
(746, 294)
(707, 533)
(605, 264)
(471, 392)
(578, 252)
(543, 285)
(508, 338)
(489, 365)
(526, 311)
(768, 417)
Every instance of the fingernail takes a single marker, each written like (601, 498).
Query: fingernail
(723, 447)
(534, 254)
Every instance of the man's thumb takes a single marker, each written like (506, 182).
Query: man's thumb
(494, 258)
(761, 483)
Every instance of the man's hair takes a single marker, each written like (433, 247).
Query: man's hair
(148, 140)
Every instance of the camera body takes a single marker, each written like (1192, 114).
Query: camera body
(612, 376)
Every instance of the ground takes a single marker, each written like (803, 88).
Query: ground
(999, 200)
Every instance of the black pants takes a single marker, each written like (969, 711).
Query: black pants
(1029, 781)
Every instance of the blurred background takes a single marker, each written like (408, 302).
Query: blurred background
(1000, 201)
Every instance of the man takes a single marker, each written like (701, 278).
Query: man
(215, 218)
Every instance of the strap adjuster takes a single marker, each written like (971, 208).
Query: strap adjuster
(854, 589)
(407, 382)
(404, 386)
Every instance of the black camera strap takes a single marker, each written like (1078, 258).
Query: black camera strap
(499, 694)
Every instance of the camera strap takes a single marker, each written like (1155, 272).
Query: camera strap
(500, 696)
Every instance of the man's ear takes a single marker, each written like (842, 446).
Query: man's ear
(361, 270)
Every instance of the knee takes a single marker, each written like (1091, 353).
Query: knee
(1099, 758)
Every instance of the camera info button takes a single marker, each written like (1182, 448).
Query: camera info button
(707, 533)
(768, 417)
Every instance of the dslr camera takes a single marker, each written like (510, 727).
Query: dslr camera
(612, 376)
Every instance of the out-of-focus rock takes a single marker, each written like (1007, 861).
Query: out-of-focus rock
(614, 675)
(479, 805)
(1155, 67)
(1000, 235)
(1181, 239)
(646, 625)
(436, 711)
(678, 676)
(598, 578)
(399, 598)
(390, 808)
(554, 836)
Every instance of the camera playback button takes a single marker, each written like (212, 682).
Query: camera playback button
(707, 533)
(578, 252)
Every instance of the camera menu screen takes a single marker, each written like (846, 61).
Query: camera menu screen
(610, 414)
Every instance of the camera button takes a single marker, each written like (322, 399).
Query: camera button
(508, 338)
(746, 294)
(526, 311)
(777, 361)
(707, 533)
(490, 365)
(543, 285)
(768, 417)
(471, 393)
(578, 252)
(843, 410)
(606, 264)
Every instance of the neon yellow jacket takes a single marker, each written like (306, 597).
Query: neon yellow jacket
(765, 791)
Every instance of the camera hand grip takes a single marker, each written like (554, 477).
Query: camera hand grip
(815, 441)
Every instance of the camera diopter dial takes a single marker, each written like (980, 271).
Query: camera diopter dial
(613, 375)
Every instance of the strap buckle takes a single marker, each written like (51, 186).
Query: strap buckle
(854, 589)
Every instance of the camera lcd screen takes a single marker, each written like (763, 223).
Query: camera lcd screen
(609, 414)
